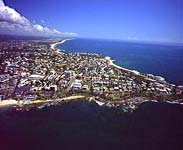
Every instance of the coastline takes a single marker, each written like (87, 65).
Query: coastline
(54, 45)
(111, 62)
(135, 72)
(10, 103)
(108, 58)
(53, 102)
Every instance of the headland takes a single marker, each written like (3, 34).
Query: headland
(42, 74)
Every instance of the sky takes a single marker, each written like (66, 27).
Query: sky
(143, 20)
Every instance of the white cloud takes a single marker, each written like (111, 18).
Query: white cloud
(12, 22)
(38, 27)
(1, 3)
(8, 14)
(56, 31)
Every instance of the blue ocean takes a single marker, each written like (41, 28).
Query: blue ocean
(159, 59)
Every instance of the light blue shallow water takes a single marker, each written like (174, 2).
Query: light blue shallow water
(163, 60)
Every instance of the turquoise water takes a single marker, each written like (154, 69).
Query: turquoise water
(157, 59)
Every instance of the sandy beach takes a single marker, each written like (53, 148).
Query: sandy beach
(111, 62)
(58, 100)
(7, 103)
(53, 46)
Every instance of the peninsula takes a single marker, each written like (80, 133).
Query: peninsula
(35, 72)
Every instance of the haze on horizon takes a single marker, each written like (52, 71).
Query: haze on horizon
(145, 20)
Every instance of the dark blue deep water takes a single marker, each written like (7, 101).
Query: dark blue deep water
(82, 125)
(157, 59)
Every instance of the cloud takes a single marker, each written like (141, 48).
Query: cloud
(2, 3)
(10, 15)
(16, 29)
(12, 22)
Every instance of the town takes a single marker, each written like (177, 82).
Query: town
(33, 70)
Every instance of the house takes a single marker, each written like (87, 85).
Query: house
(76, 84)
(85, 88)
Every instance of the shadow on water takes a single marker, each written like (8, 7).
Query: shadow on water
(87, 126)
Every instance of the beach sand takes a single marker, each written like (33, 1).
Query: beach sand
(53, 46)
(6, 103)
(111, 62)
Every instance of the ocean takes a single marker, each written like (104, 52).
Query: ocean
(158, 59)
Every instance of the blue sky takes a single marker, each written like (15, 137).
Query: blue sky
(144, 20)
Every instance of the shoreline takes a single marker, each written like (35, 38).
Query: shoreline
(12, 102)
(53, 102)
(135, 72)
(111, 62)
(8, 103)
(54, 45)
